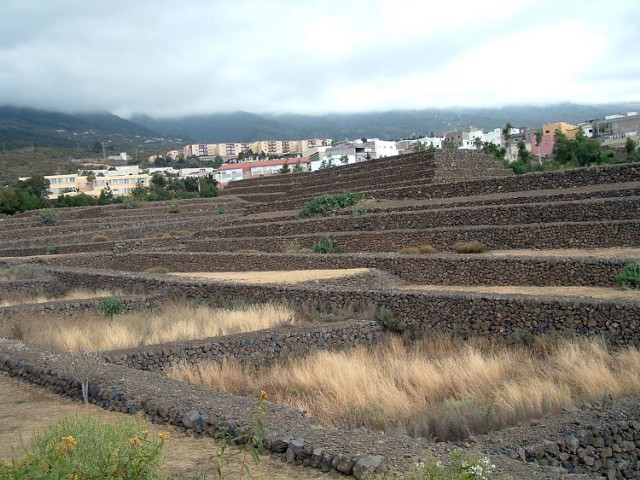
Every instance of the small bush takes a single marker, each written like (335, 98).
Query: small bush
(328, 204)
(174, 208)
(629, 276)
(426, 249)
(47, 217)
(456, 467)
(160, 270)
(100, 238)
(129, 203)
(326, 245)
(389, 321)
(470, 247)
(359, 211)
(219, 211)
(294, 247)
(51, 250)
(110, 307)
(87, 447)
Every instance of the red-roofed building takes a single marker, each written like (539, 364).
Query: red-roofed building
(230, 172)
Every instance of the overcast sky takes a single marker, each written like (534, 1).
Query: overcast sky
(175, 58)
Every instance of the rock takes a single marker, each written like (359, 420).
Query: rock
(368, 464)
(294, 447)
(571, 408)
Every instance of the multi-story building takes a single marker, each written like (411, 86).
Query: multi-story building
(615, 129)
(268, 147)
(73, 184)
(230, 172)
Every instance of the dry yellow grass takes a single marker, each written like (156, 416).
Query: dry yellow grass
(286, 276)
(174, 323)
(73, 295)
(441, 388)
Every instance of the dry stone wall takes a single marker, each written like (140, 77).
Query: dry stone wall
(584, 211)
(459, 313)
(437, 269)
(602, 234)
(261, 348)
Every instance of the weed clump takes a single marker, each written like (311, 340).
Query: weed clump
(325, 204)
(326, 245)
(629, 276)
(100, 238)
(174, 208)
(470, 247)
(421, 250)
(110, 307)
(47, 217)
(88, 447)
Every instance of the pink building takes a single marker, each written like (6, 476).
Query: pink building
(546, 145)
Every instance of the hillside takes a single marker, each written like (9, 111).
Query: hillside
(27, 127)
(248, 127)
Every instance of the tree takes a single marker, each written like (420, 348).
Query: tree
(364, 139)
(449, 145)
(506, 133)
(344, 159)
(630, 149)
(97, 147)
(158, 179)
(298, 168)
(419, 147)
(478, 143)
(523, 154)
(285, 168)
(538, 144)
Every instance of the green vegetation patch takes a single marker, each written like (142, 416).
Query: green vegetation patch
(629, 276)
(325, 204)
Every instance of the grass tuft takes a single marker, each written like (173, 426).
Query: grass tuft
(470, 247)
(100, 238)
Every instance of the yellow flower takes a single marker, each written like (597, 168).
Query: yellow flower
(71, 442)
(164, 436)
(134, 442)
(145, 433)
(263, 395)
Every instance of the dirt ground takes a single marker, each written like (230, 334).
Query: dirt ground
(588, 292)
(287, 276)
(613, 253)
(25, 409)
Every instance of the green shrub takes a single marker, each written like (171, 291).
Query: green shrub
(51, 250)
(129, 202)
(470, 247)
(629, 276)
(99, 238)
(86, 447)
(359, 211)
(174, 208)
(110, 307)
(219, 211)
(326, 245)
(328, 204)
(47, 217)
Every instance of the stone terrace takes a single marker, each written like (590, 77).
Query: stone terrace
(438, 199)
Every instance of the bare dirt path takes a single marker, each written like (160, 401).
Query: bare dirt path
(25, 409)
(583, 292)
(287, 276)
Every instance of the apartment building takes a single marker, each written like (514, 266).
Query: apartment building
(73, 184)
(268, 147)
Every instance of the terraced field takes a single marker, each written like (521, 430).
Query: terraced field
(555, 242)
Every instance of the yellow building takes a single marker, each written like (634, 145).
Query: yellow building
(73, 184)
(563, 127)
